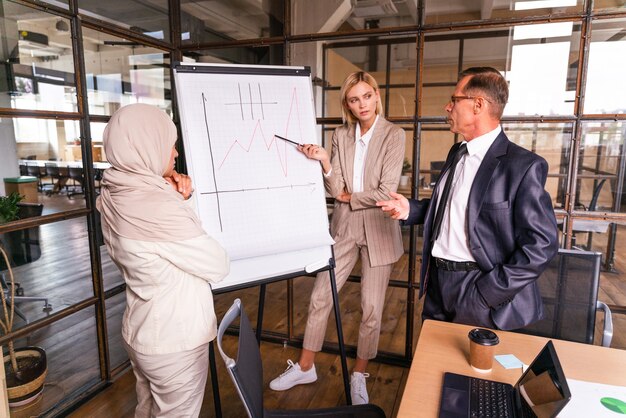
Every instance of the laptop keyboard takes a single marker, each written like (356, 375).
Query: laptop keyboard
(489, 399)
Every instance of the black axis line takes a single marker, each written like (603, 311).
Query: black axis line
(240, 101)
(261, 100)
(217, 196)
(289, 186)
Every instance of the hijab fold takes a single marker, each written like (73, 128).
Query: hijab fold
(136, 202)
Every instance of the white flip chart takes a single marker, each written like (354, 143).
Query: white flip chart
(255, 193)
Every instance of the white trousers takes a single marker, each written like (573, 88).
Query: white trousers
(170, 385)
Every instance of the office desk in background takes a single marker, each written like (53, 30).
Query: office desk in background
(443, 347)
(63, 172)
(98, 165)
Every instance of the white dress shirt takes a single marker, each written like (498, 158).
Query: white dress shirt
(452, 243)
(360, 152)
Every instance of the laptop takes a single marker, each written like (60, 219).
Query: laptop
(541, 392)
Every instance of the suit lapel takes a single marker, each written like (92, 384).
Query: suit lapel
(348, 157)
(483, 178)
(374, 149)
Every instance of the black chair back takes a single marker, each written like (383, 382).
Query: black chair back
(247, 371)
(33, 170)
(76, 174)
(52, 170)
(435, 171)
(23, 245)
(28, 210)
(569, 289)
(596, 194)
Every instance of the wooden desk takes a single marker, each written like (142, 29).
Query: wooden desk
(443, 347)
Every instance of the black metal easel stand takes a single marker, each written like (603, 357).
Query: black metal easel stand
(259, 327)
(342, 347)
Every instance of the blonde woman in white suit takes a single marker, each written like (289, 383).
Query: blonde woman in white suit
(365, 165)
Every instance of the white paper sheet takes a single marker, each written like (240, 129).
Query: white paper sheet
(587, 400)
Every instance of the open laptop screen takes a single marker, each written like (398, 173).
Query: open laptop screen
(543, 388)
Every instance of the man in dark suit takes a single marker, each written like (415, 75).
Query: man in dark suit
(490, 230)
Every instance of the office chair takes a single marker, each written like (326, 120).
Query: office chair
(76, 175)
(97, 177)
(569, 289)
(54, 172)
(26, 249)
(20, 298)
(593, 203)
(35, 171)
(247, 375)
(587, 225)
(31, 250)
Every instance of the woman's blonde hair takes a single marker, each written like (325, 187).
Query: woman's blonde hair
(351, 81)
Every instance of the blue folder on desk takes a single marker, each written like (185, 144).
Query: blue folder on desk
(541, 392)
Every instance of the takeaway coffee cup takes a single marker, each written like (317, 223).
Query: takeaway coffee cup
(482, 345)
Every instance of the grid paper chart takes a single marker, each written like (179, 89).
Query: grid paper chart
(255, 192)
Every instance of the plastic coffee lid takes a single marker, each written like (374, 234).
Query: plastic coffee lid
(483, 336)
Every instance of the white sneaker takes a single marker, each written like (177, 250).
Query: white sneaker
(293, 376)
(358, 388)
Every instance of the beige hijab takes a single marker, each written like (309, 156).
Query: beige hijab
(136, 202)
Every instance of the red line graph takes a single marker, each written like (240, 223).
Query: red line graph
(258, 132)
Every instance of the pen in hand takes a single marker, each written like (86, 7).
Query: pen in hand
(288, 140)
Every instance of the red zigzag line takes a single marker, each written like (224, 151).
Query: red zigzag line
(282, 160)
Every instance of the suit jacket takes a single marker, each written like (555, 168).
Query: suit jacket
(383, 166)
(511, 230)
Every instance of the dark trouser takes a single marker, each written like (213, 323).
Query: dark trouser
(452, 296)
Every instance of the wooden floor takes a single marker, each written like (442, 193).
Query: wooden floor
(72, 350)
(384, 386)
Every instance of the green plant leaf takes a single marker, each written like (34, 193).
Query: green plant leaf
(8, 207)
(615, 405)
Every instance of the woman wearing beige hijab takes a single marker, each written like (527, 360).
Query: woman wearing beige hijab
(154, 236)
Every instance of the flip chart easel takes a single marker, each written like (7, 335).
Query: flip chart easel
(255, 193)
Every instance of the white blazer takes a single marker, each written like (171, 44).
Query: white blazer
(169, 304)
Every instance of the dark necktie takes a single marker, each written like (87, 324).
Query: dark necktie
(445, 195)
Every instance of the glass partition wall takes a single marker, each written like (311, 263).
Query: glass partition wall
(65, 68)
(68, 65)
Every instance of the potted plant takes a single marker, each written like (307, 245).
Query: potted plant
(9, 211)
(406, 173)
(26, 368)
(9, 208)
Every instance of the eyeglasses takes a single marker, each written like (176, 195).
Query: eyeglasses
(455, 99)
